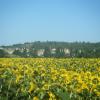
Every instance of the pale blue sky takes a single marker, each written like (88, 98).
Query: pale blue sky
(52, 20)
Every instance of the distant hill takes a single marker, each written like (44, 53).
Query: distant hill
(52, 49)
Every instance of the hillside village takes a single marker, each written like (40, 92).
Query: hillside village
(39, 53)
(53, 49)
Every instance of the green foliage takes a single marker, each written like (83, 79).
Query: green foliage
(60, 92)
(3, 53)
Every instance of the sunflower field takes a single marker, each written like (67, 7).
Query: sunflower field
(49, 79)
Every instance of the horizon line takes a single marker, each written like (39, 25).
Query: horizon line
(49, 41)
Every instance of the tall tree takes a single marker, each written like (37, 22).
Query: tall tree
(59, 52)
(47, 52)
(3, 53)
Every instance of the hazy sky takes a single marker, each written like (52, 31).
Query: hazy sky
(41, 20)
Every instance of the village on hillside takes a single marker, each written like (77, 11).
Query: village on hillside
(52, 49)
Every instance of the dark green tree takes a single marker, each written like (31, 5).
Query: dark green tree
(3, 53)
(18, 53)
(47, 52)
(59, 52)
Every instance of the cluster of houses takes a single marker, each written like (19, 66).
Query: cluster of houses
(40, 52)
